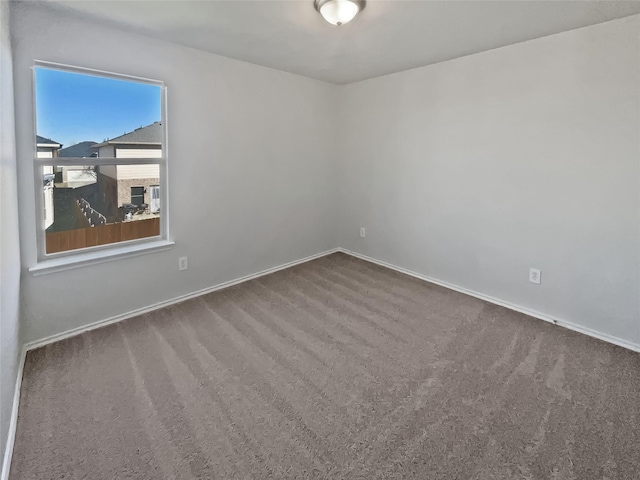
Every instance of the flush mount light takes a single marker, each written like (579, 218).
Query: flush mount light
(339, 12)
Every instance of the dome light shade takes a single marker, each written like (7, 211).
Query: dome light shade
(339, 12)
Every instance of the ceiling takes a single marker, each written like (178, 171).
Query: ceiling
(388, 36)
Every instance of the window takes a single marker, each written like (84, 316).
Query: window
(100, 153)
(154, 199)
(137, 196)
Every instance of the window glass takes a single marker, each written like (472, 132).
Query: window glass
(99, 146)
(88, 206)
(96, 114)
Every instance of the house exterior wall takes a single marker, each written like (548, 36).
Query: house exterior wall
(48, 206)
(77, 173)
(109, 171)
(46, 152)
(126, 176)
(106, 151)
(108, 193)
(48, 198)
(124, 188)
(130, 172)
(127, 152)
(122, 178)
(115, 182)
(130, 151)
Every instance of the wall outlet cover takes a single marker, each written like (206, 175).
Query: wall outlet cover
(534, 275)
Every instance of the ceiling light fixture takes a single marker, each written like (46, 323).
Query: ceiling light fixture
(339, 12)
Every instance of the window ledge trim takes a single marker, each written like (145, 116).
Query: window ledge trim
(93, 258)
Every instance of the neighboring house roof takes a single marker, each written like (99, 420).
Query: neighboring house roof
(46, 142)
(149, 135)
(84, 149)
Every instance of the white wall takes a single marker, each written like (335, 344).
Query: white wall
(9, 246)
(468, 171)
(251, 154)
(473, 170)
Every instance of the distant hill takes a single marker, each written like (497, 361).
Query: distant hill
(80, 150)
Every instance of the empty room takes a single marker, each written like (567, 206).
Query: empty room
(324, 239)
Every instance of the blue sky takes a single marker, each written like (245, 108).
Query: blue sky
(72, 108)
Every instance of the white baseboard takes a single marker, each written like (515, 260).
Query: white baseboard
(496, 301)
(134, 313)
(13, 421)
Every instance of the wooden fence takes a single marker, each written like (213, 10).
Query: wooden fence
(102, 235)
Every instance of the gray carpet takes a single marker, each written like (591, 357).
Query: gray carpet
(332, 369)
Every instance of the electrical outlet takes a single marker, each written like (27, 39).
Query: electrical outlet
(534, 276)
(182, 263)
(363, 232)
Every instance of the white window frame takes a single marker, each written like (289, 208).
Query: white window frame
(52, 262)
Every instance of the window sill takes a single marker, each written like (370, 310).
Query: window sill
(102, 256)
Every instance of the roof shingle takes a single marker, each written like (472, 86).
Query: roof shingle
(40, 139)
(149, 135)
(79, 150)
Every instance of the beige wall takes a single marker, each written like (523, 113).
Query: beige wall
(130, 172)
(138, 152)
(109, 171)
(106, 151)
(129, 151)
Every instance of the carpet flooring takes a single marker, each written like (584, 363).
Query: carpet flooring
(336, 368)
